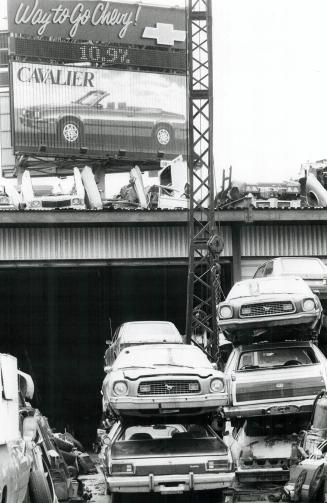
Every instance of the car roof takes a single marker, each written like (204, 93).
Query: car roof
(273, 345)
(134, 330)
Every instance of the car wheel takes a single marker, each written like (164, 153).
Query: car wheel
(115, 498)
(39, 489)
(71, 131)
(163, 135)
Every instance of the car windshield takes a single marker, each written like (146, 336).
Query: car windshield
(260, 286)
(269, 358)
(165, 431)
(183, 356)
(148, 331)
(90, 98)
(303, 266)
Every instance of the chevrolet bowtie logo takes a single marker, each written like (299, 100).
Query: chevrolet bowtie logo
(164, 34)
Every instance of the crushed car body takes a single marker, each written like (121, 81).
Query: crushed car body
(163, 379)
(53, 196)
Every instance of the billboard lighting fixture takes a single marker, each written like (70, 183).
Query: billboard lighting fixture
(83, 150)
(160, 154)
(42, 148)
(121, 152)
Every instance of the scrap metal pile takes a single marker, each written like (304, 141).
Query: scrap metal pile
(309, 190)
(33, 459)
(173, 423)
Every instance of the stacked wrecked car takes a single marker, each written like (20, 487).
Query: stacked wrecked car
(159, 399)
(274, 374)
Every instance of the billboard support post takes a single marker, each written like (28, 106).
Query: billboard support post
(204, 240)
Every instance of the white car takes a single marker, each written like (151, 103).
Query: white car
(141, 332)
(54, 195)
(274, 378)
(163, 379)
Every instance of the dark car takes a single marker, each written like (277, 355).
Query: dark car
(311, 269)
(256, 305)
(166, 458)
(96, 113)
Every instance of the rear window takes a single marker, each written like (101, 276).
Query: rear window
(270, 358)
(303, 266)
(165, 431)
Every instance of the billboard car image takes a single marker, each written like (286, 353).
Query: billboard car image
(65, 108)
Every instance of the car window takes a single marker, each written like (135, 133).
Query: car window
(269, 269)
(269, 358)
(302, 266)
(259, 272)
(165, 431)
(180, 355)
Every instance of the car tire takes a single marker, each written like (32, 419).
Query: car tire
(38, 487)
(115, 498)
(70, 131)
(163, 135)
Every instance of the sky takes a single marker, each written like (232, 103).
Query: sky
(270, 85)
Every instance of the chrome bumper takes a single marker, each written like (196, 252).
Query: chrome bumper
(170, 484)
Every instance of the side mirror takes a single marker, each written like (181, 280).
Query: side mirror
(29, 429)
(108, 342)
(107, 369)
(214, 366)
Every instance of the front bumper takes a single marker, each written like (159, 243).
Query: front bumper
(270, 409)
(306, 320)
(168, 404)
(170, 484)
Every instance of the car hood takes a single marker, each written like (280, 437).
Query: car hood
(165, 371)
(269, 297)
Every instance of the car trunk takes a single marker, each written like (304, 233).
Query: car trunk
(187, 455)
(277, 384)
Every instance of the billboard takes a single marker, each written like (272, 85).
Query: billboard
(109, 22)
(61, 109)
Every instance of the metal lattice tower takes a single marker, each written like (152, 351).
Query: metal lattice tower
(205, 243)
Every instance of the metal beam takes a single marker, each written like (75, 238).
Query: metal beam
(205, 242)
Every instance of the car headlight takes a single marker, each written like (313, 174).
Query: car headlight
(120, 388)
(217, 385)
(76, 200)
(309, 305)
(225, 312)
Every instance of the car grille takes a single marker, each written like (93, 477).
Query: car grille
(169, 387)
(267, 309)
(56, 203)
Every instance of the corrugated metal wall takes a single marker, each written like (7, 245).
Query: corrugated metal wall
(95, 243)
(260, 242)
(294, 239)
